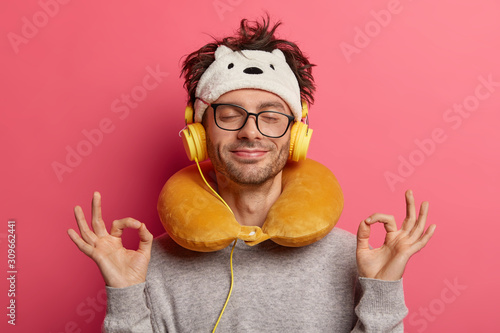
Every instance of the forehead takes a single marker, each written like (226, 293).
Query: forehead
(254, 99)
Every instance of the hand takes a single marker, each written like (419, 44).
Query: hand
(388, 262)
(119, 266)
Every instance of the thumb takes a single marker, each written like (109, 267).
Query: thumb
(146, 239)
(363, 236)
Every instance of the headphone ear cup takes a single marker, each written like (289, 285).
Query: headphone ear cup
(194, 140)
(300, 137)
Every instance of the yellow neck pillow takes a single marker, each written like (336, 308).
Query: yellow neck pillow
(308, 208)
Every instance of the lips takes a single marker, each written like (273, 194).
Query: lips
(249, 153)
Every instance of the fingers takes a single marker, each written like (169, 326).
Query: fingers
(119, 225)
(80, 243)
(409, 221)
(422, 242)
(146, 239)
(419, 227)
(411, 225)
(97, 223)
(388, 220)
(87, 234)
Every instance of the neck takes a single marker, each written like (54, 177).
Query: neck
(250, 203)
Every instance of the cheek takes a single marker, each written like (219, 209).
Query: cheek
(215, 143)
(210, 145)
(285, 143)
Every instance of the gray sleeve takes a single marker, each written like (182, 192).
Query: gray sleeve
(381, 307)
(127, 310)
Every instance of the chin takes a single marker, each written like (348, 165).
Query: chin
(251, 173)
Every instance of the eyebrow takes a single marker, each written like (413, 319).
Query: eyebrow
(277, 105)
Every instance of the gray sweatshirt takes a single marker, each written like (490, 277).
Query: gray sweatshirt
(276, 289)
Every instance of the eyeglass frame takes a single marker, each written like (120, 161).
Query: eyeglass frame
(216, 105)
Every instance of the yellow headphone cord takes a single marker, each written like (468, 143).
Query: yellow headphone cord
(232, 250)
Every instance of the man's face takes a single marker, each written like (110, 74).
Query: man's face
(246, 156)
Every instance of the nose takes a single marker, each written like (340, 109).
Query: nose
(250, 130)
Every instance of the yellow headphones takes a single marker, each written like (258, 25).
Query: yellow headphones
(194, 137)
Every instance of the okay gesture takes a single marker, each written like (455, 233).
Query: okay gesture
(388, 262)
(120, 267)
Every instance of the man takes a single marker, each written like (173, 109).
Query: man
(337, 284)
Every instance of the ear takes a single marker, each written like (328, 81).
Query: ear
(279, 53)
(222, 50)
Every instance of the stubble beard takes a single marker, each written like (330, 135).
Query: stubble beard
(257, 175)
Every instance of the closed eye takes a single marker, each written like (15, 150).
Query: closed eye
(269, 118)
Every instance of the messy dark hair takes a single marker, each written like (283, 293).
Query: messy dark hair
(250, 36)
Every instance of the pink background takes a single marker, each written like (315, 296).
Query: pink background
(388, 74)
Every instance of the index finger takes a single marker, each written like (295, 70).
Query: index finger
(388, 221)
(119, 225)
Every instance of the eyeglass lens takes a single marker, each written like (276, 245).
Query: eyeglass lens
(269, 123)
